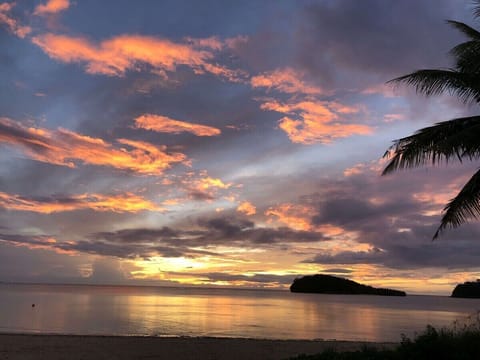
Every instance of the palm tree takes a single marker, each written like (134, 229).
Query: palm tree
(453, 139)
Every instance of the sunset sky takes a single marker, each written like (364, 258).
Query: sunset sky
(222, 143)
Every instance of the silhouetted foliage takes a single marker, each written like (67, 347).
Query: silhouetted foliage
(327, 284)
(432, 344)
(470, 289)
(449, 140)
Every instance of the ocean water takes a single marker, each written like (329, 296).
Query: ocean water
(129, 310)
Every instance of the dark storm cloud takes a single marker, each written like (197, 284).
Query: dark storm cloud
(227, 231)
(388, 214)
(385, 38)
(168, 242)
(457, 255)
(26, 239)
(226, 227)
(138, 235)
(200, 195)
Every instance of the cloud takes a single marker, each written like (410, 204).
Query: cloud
(386, 221)
(165, 124)
(342, 35)
(127, 202)
(116, 56)
(34, 242)
(247, 208)
(107, 271)
(299, 217)
(12, 24)
(309, 122)
(202, 187)
(200, 239)
(66, 148)
(286, 80)
(256, 280)
(228, 230)
(52, 7)
(296, 216)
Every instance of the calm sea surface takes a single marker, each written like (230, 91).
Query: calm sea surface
(123, 310)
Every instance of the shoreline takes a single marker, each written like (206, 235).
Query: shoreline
(26, 346)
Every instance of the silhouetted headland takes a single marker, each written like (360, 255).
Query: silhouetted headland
(327, 284)
(469, 289)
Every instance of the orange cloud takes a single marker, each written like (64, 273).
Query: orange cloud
(52, 7)
(298, 217)
(209, 182)
(127, 202)
(295, 216)
(202, 186)
(11, 23)
(285, 80)
(247, 208)
(310, 121)
(116, 56)
(165, 124)
(373, 167)
(66, 148)
(45, 242)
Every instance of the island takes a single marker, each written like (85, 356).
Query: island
(327, 284)
(469, 289)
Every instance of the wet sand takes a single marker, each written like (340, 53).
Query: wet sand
(73, 347)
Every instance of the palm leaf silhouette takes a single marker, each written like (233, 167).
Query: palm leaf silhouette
(457, 139)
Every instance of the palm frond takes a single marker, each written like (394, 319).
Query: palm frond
(435, 82)
(464, 28)
(467, 56)
(457, 138)
(464, 206)
(476, 8)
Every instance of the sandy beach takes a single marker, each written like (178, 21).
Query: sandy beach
(53, 347)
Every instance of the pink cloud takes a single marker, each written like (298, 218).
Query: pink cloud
(127, 202)
(285, 80)
(247, 208)
(52, 7)
(165, 124)
(67, 148)
(309, 122)
(116, 56)
(12, 24)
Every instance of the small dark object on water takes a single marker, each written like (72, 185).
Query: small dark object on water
(33, 305)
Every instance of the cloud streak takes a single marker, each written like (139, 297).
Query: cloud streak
(165, 124)
(308, 122)
(127, 202)
(12, 24)
(116, 56)
(67, 148)
(285, 80)
(247, 208)
(205, 238)
(52, 7)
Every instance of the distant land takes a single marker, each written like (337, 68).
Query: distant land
(469, 289)
(327, 284)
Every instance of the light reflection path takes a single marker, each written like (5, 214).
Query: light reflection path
(117, 310)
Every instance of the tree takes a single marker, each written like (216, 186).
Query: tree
(453, 139)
